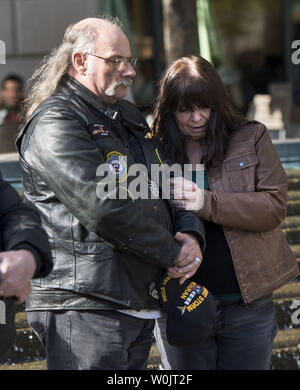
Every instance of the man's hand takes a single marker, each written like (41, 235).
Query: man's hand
(16, 270)
(185, 264)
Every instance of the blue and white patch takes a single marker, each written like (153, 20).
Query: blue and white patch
(117, 167)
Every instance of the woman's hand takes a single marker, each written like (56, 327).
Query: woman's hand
(186, 195)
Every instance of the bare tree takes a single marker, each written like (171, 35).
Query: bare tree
(180, 28)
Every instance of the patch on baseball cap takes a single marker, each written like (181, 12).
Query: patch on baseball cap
(190, 309)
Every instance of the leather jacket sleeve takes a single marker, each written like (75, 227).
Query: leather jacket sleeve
(20, 229)
(65, 157)
(187, 222)
(259, 211)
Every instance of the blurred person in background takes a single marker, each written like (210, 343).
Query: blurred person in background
(10, 105)
(144, 86)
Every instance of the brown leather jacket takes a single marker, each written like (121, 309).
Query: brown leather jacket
(248, 197)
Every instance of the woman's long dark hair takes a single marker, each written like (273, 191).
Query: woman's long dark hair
(190, 83)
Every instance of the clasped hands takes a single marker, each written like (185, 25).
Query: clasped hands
(189, 258)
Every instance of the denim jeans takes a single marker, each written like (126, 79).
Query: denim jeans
(93, 339)
(241, 340)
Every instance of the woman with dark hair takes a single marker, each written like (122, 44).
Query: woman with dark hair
(242, 204)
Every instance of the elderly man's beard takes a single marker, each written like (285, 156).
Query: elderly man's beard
(111, 90)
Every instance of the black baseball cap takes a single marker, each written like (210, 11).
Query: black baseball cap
(190, 309)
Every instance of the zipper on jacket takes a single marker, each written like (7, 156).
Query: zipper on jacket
(121, 133)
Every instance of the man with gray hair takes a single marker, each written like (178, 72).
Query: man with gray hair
(94, 311)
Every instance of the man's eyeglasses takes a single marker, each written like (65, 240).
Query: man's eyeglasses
(119, 63)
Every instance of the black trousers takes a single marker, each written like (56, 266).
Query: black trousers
(93, 339)
(7, 327)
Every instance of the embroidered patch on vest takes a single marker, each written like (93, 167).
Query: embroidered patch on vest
(117, 167)
(99, 129)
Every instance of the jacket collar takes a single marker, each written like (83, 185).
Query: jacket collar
(110, 110)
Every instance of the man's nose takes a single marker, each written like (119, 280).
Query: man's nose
(128, 71)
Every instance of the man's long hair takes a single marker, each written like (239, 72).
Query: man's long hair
(191, 83)
(47, 77)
